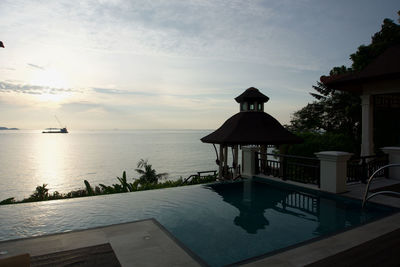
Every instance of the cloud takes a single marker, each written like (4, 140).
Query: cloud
(6, 68)
(237, 30)
(36, 66)
(120, 92)
(81, 106)
(9, 87)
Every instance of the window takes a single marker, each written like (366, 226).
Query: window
(251, 106)
(260, 106)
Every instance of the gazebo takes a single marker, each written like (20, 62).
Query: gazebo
(378, 85)
(251, 126)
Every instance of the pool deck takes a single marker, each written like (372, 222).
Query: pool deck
(142, 243)
(147, 243)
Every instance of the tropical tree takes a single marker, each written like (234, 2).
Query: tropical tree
(148, 175)
(89, 188)
(333, 111)
(336, 112)
(126, 187)
(389, 35)
(41, 193)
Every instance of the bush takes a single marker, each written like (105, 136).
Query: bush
(316, 142)
(149, 180)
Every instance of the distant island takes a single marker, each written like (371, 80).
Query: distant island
(5, 128)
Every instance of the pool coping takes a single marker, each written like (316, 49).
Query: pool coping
(314, 250)
(133, 243)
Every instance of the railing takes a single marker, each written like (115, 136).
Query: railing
(360, 168)
(303, 202)
(373, 175)
(200, 174)
(287, 167)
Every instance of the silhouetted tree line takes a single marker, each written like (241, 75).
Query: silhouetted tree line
(148, 179)
(333, 120)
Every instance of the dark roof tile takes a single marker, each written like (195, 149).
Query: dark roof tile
(251, 128)
(385, 66)
(252, 94)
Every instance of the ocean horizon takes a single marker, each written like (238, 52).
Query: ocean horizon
(63, 161)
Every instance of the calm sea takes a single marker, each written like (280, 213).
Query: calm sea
(63, 161)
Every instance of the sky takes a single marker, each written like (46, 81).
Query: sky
(150, 64)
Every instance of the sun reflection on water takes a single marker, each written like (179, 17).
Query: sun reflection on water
(49, 153)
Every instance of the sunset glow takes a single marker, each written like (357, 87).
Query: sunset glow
(50, 78)
(170, 64)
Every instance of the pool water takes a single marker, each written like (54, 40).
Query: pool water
(222, 223)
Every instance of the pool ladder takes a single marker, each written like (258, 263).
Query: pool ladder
(366, 197)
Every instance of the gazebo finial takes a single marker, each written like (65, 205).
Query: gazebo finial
(252, 100)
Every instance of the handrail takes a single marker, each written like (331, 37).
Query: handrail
(199, 174)
(365, 199)
(288, 156)
(212, 171)
(193, 175)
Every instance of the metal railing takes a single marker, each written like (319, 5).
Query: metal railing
(366, 197)
(287, 167)
(360, 168)
(200, 174)
(303, 202)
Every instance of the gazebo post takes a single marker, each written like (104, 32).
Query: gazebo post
(221, 161)
(235, 161)
(226, 162)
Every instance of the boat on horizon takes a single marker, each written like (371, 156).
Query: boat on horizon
(55, 130)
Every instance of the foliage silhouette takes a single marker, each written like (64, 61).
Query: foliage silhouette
(148, 180)
(337, 112)
(89, 189)
(148, 175)
(41, 193)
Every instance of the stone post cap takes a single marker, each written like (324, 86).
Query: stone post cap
(391, 149)
(333, 155)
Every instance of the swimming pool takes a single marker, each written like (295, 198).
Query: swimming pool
(222, 223)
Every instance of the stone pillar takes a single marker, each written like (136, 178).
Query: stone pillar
(394, 157)
(249, 161)
(333, 170)
(367, 138)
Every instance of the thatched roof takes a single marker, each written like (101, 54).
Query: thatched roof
(251, 128)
